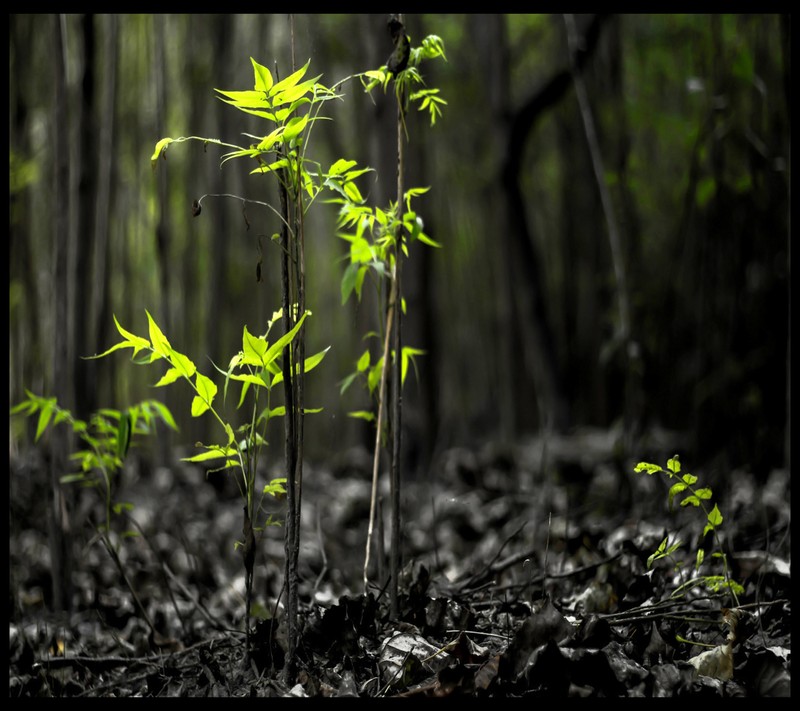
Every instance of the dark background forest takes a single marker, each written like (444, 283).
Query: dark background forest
(533, 316)
(610, 196)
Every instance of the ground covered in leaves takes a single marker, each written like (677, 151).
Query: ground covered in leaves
(526, 575)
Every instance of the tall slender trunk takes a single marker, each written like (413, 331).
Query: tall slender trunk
(59, 529)
(99, 311)
(85, 283)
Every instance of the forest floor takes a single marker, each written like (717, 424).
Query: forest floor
(526, 575)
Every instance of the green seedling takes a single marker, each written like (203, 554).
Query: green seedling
(685, 486)
(258, 368)
(106, 441)
(379, 241)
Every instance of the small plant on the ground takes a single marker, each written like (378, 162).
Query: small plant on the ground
(258, 368)
(106, 440)
(700, 497)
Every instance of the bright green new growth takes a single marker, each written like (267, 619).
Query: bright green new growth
(373, 235)
(432, 47)
(107, 438)
(257, 365)
(699, 498)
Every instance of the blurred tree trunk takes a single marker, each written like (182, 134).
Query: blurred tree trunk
(615, 348)
(524, 259)
(786, 46)
(630, 224)
(163, 237)
(513, 392)
(99, 312)
(85, 371)
(163, 226)
(59, 528)
(219, 249)
(26, 314)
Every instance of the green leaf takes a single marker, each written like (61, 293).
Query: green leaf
(245, 99)
(295, 127)
(123, 435)
(422, 237)
(363, 361)
(309, 364)
(28, 407)
(276, 348)
(183, 364)
(352, 192)
(674, 490)
(715, 516)
(276, 165)
(199, 406)
(168, 378)
(347, 382)
(213, 452)
(158, 340)
(374, 375)
(160, 148)
(674, 464)
(164, 413)
(362, 415)
(250, 379)
(701, 554)
(647, 468)
(293, 95)
(291, 80)
(253, 348)
(263, 77)
(130, 341)
(276, 487)
(408, 353)
(206, 387)
(44, 418)
(341, 166)
(270, 140)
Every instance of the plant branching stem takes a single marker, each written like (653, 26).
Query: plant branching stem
(378, 427)
(397, 384)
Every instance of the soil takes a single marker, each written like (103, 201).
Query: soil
(525, 574)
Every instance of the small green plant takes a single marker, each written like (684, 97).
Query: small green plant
(258, 368)
(379, 241)
(700, 497)
(106, 437)
(106, 440)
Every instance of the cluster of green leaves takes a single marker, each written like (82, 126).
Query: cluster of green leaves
(280, 152)
(258, 367)
(106, 439)
(685, 485)
(373, 234)
(409, 82)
